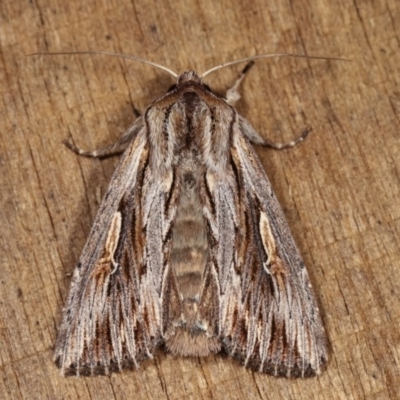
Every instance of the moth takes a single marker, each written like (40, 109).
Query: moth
(190, 249)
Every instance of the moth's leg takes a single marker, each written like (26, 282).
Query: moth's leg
(285, 145)
(232, 95)
(255, 138)
(118, 147)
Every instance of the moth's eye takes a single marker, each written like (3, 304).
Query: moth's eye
(207, 87)
(172, 88)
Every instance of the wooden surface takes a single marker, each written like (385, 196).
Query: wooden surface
(339, 189)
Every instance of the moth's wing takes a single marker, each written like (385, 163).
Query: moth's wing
(112, 317)
(269, 318)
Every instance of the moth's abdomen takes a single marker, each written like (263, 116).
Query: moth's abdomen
(189, 243)
(189, 334)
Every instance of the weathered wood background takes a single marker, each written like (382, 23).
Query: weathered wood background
(339, 189)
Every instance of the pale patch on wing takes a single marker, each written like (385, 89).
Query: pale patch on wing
(106, 263)
(267, 239)
(273, 265)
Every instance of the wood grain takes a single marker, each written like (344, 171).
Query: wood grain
(340, 189)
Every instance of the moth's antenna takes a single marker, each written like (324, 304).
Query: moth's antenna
(269, 56)
(67, 53)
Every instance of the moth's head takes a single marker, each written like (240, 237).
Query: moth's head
(188, 79)
(188, 76)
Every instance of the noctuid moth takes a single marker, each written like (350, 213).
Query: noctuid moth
(190, 249)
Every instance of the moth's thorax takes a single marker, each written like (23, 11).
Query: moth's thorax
(189, 125)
